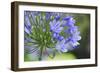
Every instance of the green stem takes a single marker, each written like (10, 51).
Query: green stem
(41, 50)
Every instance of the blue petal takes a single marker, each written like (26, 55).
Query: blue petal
(26, 30)
(67, 18)
(57, 18)
(69, 21)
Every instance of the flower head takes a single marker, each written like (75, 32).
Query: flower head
(70, 42)
(48, 32)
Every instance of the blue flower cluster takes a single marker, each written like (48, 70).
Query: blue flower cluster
(50, 30)
(65, 44)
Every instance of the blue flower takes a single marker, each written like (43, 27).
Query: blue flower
(72, 29)
(61, 46)
(69, 21)
(27, 30)
(50, 31)
(48, 15)
(57, 36)
(70, 42)
(75, 38)
(55, 26)
(57, 18)
(27, 24)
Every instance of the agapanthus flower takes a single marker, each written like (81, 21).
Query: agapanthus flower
(57, 36)
(55, 26)
(69, 21)
(70, 42)
(49, 32)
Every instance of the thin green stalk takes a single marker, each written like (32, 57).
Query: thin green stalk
(41, 52)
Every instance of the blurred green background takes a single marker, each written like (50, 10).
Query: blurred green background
(81, 52)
